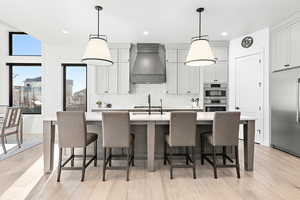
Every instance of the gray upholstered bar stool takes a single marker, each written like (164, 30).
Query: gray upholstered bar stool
(225, 133)
(182, 133)
(72, 133)
(116, 134)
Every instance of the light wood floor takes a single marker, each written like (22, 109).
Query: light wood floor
(276, 176)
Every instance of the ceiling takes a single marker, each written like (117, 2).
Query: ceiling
(126, 20)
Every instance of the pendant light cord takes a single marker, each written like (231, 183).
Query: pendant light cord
(98, 10)
(199, 25)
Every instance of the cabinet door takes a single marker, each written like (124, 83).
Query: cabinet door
(194, 80)
(183, 79)
(221, 72)
(209, 75)
(283, 48)
(124, 55)
(171, 55)
(295, 44)
(101, 80)
(113, 78)
(171, 70)
(182, 54)
(114, 55)
(220, 53)
(123, 78)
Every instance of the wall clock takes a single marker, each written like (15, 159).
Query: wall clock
(247, 42)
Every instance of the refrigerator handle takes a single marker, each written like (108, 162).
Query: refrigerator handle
(298, 107)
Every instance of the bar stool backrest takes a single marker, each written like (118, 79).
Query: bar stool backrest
(226, 128)
(12, 119)
(183, 128)
(71, 129)
(115, 129)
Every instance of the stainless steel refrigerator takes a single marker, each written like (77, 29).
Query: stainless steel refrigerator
(284, 97)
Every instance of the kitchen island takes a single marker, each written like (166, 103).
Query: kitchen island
(152, 122)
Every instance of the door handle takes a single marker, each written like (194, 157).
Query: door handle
(237, 108)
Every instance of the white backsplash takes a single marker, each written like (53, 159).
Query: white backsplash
(138, 96)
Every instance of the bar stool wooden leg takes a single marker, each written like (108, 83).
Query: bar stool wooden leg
(128, 164)
(83, 164)
(186, 155)
(110, 156)
(72, 154)
(59, 164)
(170, 162)
(194, 162)
(236, 149)
(224, 153)
(202, 149)
(214, 161)
(104, 164)
(95, 153)
(165, 152)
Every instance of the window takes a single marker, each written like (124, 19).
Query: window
(74, 87)
(25, 87)
(22, 44)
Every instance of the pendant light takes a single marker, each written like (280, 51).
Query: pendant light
(97, 52)
(200, 53)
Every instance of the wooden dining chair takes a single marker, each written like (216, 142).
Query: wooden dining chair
(225, 133)
(11, 125)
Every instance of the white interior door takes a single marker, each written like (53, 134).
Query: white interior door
(249, 89)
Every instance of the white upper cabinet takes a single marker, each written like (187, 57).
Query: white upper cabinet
(101, 80)
(295, 44)
(216, 73)
(171, 55)
(171, 70)
(182, 54)
(188, 79)
(220, 53)
(123, 55)
(114, 79)
(123, 78)
(285, 46)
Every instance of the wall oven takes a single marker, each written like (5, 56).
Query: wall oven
(215, 97)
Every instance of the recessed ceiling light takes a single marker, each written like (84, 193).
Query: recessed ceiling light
(146, 32)
(65, 31)
(224, 33)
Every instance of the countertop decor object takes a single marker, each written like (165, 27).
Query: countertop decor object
(200, 53)
(97, 52)
(99, 103)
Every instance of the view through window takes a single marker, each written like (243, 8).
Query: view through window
(75, 93)
(22, 44)
(26, 87)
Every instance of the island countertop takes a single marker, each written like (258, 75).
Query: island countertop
(164, 109)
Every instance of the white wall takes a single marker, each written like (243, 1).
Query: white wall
(261, 44)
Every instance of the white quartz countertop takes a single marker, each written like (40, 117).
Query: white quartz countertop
(165, 109)
(139, 116)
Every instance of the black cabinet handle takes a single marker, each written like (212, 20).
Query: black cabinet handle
(287, 65)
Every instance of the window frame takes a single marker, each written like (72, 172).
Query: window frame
(64, 66)
(10, 82)
(10, 43)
